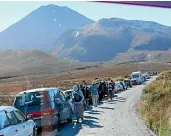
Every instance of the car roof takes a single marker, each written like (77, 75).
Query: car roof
(7, 108)
(36, 90)
(138, 72)
(126, 79)
(68, 91)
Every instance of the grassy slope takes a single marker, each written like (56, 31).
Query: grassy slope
(155, 104)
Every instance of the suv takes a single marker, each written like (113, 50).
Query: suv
(128, 82)
(47, 106)
(14, 123)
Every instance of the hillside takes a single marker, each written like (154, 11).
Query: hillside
(30, 62)
(104, 39)
(41, 28)
(155, 56)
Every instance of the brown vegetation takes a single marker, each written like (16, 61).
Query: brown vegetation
(155, 104)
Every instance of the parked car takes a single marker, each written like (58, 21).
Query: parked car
(14, 123)
(144, 78)
(147, 75)
(128, 82)
(137, 77)
(68, 95)
(118, 87)
(47, 106)
(124, 85)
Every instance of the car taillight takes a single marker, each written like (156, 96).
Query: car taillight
(42, 113)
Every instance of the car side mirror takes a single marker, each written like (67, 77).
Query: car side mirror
(29, 117)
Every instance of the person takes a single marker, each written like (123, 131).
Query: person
(86, 96)
(104, 89)
(94, 92)
(100, 92)
(111, 89)
(83, 89)
(78, 99)
(113, 84)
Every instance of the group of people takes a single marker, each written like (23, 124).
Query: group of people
(97, 92)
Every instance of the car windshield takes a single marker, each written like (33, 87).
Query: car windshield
(135, 76)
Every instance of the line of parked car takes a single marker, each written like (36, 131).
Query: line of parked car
(44, 107)
(48, 107)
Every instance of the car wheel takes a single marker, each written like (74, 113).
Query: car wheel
(34, 131)
(69, 120)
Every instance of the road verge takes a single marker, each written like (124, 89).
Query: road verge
(155, 104)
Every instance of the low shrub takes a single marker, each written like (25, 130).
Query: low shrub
(155, 104)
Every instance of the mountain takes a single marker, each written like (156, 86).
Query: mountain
(40, 29)
(104, 39)
(31, 62)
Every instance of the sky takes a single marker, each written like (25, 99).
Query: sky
(12, 12)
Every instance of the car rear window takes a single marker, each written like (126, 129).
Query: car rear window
(135, 76)
(32, 102)
(4, 121)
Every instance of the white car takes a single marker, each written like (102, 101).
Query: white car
(147, 75)
(118, 87)
(14, 123)
(137, 77)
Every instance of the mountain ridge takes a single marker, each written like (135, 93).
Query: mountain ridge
(110, 37)
(40, 28)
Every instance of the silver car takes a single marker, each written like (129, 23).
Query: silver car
(118, 87)
(14, 123)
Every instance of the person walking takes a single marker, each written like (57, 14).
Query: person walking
(82, 89)
(94, 92)
(113, 87)
(78, 99)
(110, 89)
(86, 96)
(100, 92)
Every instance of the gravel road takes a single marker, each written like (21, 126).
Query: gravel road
(111, 118)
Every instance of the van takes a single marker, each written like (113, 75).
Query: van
(47, 106)
(136, 77)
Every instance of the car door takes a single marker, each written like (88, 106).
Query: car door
(27, 128)
(15, 127)
(67, 109)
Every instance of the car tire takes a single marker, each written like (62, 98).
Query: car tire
(34, 131)
(69, 120)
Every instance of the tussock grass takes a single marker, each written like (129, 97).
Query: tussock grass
(6, 100)
(155, 104)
